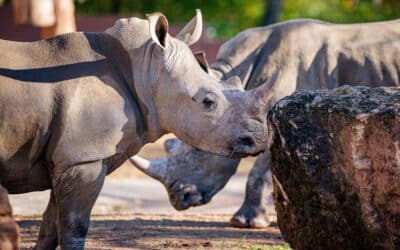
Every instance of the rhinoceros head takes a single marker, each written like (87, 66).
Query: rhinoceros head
(203, 111)
(191, 177)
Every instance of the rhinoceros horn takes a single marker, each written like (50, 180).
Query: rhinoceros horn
(154, 168)
(266, 90)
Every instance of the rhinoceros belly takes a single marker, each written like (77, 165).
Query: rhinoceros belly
(25, 177)
(22, 165)
(26, 114)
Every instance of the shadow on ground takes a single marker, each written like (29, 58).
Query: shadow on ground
(133, 212)
(196, 231)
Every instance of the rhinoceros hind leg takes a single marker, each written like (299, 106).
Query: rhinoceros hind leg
(48, 229)
(75, 193)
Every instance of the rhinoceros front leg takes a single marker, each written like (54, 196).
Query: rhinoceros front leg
(75, 192)
(48, 229)
(252, 213)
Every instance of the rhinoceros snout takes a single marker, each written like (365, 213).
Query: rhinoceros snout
(246, 141)
(247, 145)
(184, 196)
(192, 199)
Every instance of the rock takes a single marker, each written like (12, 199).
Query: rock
(9, 231)
(335, 158)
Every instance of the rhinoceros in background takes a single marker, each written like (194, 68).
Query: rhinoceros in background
(310, 55)
(75, 107)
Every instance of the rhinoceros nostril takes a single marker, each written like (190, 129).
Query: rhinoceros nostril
(185, 198)
(191, 199)
(246, 141)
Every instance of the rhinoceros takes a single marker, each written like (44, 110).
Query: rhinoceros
(310, 54)
(76, 106)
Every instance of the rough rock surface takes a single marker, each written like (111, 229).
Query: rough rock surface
(9, 231)
(336, 168)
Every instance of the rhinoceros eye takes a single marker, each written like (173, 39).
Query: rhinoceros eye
(209, 104)
(208, 100)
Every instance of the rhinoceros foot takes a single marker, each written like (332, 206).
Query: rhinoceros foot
(250, 217)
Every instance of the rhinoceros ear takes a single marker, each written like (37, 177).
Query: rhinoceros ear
(191, 33)
(172, 144)
(235, 82)
(202, 60)
(158, 28)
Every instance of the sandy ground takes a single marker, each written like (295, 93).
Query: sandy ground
(133, 212)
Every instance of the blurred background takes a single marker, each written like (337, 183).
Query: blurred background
(223, 18)
(29, 20)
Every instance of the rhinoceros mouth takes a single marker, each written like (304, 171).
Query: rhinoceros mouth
(243, 146)
(240, 152)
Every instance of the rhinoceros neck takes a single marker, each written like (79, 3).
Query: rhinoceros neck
(131, 62)
(137, 65)
(144, 79)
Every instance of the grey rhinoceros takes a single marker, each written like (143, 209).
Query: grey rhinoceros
(76, 106)
(310, 55)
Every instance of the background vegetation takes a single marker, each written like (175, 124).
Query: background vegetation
(224, 18)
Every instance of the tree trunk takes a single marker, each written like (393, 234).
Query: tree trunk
(42, 13)
(272, 12)
(65, 19)
(54, 17)
(21, 10)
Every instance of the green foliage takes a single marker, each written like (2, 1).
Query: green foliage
(342, 11)
(224, 18)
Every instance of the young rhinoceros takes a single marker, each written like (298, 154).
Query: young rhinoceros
(310, 55)
(76, 106)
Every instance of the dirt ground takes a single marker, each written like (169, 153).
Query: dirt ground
(197, 231)
(149, 222)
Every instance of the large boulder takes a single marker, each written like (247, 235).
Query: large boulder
(9, 231)
(335, 159)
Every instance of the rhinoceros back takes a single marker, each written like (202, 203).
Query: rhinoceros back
(60, 100)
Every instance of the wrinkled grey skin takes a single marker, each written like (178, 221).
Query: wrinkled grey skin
(311, 55)
(75, 107)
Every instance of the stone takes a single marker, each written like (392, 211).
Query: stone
(335, 158)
